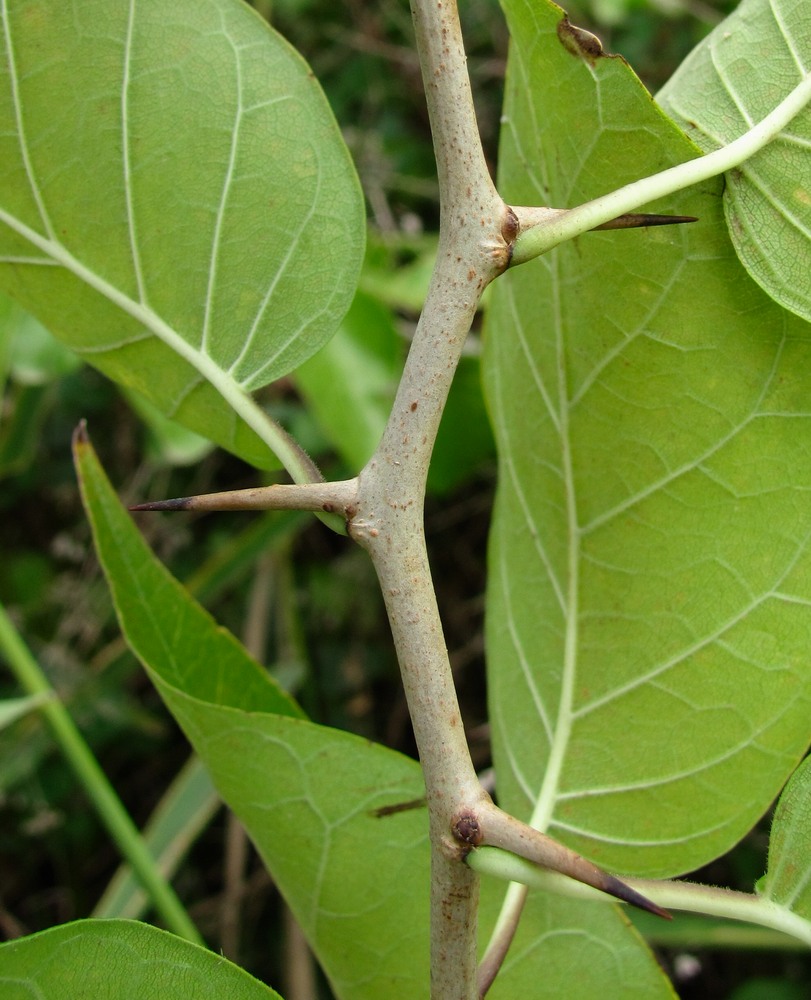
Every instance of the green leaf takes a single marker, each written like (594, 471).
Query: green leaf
(309, 797)
(464, 444)
(400, 286)
(729, 83)
(357, 880)
(119, 960)
(788, 875)
(190, 222)
(650, 567)
(165, 627)
(564, 948)
(25, 410)
(761, 988)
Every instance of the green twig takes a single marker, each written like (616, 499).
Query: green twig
(674, 895)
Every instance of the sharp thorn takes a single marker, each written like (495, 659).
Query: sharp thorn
(498, 829)
(250, 499)
(635, 220)
(318, 496)
(181, 503)
(620, 890)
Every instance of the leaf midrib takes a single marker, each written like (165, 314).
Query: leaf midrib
(548, 794)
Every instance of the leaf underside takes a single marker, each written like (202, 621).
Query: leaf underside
(650, 568)
(189, 221)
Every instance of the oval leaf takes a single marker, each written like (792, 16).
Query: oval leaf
(729, 83)
(190, 221)
(648, 619)
(568, 948)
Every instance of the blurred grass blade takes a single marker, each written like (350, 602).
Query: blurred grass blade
(184, 811)
(95, 783)
(12, 709)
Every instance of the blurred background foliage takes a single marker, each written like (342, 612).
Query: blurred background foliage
(302, 599)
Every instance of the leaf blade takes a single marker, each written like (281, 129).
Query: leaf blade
(649, 554)
(731, 81)
(189, 262)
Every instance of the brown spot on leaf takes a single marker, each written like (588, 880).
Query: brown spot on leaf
(579, 42)
(398, 807)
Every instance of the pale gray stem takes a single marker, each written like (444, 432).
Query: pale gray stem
(476, 231)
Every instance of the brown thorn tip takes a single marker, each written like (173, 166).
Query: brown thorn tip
(181, 503)
(80, 433)
(636, 220)
(617, 888)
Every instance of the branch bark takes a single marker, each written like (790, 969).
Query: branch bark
(476, 233)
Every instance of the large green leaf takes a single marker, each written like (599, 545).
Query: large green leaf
(119, 960)
(738, 74)
(648, 611)
(189, 221)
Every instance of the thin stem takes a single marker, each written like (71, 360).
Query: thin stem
(687, 896)
(541, 232)
(502, 936)
(109, 807)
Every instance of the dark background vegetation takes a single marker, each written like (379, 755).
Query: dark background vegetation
(304, 599)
